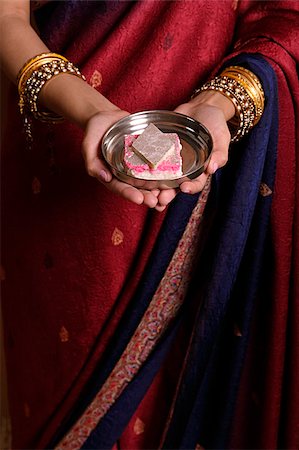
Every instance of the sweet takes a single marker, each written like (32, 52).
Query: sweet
(153, 146)
(156, 157)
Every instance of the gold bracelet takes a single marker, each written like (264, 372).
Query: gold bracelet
(35, 83)
(33, 64)
(245, 91)
(252, 85)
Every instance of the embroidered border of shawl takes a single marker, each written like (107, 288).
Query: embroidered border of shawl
(163, 308)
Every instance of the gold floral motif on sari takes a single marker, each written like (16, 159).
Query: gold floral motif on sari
(96, 79)
(63, 334)
(117, 237)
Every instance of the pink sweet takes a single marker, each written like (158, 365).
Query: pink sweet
(170, 167)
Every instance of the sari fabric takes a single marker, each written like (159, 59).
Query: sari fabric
(79, 275)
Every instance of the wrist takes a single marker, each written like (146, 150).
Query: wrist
(217, 100)
(74, 99)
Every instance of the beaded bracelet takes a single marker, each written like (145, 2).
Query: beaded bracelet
(33, 64)
(245, 91)
(35, 83)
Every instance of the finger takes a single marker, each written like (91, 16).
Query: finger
(126, 191)
(96, 127)
(166, 196)
(194, 186)
(98, 169)
(218, 159)
(155, 192)
(149, 199)
(160, 208)
(219, 155)
(95, 167)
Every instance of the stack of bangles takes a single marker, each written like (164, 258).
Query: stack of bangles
(244, 89)
(32, 78)
(240, 85)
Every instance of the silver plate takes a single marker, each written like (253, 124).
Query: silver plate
(195, 139)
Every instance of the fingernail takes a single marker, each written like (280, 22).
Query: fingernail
(185, 190)
(103, 175)
(215, 167)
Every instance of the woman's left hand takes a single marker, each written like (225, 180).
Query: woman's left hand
(213, 110)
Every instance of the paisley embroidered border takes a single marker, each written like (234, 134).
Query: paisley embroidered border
(163, 308)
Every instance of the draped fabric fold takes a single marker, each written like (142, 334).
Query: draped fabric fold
(232, 278)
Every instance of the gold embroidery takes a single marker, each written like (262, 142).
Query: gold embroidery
(96, 79)
(63, 334)
(139, 426)
(2, 273)
(26, 410)
(36, 185)
(117, 237)
(265, 190)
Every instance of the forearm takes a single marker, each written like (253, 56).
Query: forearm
(19, 43)
(74, 99)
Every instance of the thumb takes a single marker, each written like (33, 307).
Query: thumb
(96, 127)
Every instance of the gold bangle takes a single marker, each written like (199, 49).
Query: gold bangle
(32, 64)
(252, 85)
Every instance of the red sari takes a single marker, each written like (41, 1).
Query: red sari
(72, 261)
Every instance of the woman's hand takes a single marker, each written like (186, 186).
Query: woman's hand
(211, 109)
(95, 128)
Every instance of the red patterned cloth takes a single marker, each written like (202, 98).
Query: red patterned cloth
(72, 260)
